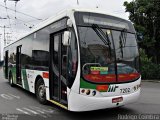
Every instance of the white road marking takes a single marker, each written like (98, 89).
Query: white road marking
(32, 111)
(23, 111)
(18, 97)
(5, 96)
(36, 113)
(48, 111)
(40, 111)
(43, 113)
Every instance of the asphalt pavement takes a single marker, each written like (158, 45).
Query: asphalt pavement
(18, 104)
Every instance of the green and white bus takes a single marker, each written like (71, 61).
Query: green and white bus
(80, 60)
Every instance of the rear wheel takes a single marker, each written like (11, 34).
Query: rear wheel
(41, 91)
(11, 80)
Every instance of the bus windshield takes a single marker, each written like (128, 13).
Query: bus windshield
(108, 55)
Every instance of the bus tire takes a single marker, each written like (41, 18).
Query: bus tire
(11, 79)
(41, 91)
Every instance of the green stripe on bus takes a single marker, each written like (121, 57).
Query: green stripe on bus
(26, 86)
(85, 84)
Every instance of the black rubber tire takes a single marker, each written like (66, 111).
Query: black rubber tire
(11, 80)
(39, 88)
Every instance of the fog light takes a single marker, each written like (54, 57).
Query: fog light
(88, 92)
(94, 93)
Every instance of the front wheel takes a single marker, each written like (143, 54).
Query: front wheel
(41, 91)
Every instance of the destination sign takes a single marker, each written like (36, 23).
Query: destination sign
(105, 21)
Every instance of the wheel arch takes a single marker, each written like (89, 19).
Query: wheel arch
(36, 80)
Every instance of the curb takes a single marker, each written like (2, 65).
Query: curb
(155, 81)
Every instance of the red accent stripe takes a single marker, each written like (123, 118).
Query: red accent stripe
(45, 75)
(111, 77)
(128, 77)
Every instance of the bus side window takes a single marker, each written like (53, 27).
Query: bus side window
(72, 59)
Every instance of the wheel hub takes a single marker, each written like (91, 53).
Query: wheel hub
(41, 91)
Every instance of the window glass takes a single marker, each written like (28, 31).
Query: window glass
(72, 59)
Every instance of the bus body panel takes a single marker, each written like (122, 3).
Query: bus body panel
(78, 102)
(76, 84)
(31, 76)
(110, 89)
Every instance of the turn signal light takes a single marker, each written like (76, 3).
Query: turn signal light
(102, 88)
(45, 75)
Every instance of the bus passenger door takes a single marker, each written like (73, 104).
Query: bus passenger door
(18, 65)
(6, 64)
(58, 65)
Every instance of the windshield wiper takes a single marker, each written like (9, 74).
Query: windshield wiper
(122, 40)
(104, 37)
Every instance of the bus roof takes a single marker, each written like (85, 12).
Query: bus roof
(58, 16)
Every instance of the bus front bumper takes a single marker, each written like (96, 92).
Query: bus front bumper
(79, 102)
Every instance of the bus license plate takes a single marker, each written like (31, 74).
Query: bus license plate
(118, 99)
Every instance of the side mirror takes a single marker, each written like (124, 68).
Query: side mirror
(69, 23)
(66, 38)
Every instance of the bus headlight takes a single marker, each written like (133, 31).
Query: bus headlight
(88, 92)
(94, 93)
